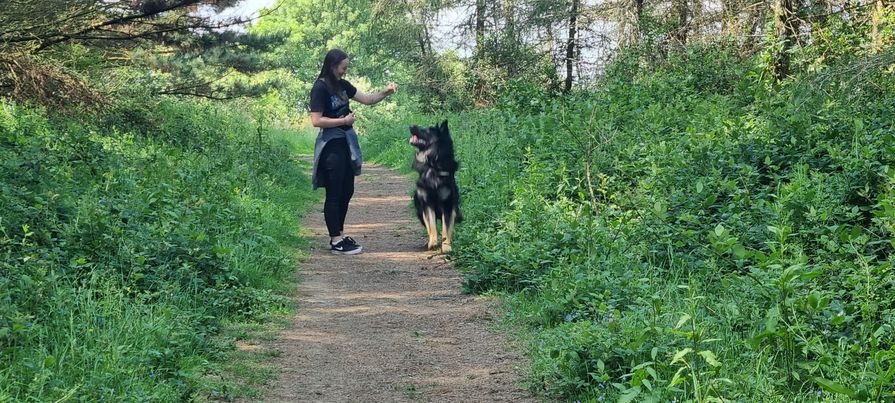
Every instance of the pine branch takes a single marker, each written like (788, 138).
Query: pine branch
(55, 23)
(147, 13)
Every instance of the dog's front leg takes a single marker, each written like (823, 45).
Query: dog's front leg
(429, 221)
(447, 230)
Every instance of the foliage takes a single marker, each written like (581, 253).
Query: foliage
(375, 37)
(59, 54)
(691, 231)
(709, 220)
(124, 245)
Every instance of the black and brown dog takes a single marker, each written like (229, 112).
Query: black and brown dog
(437, 195)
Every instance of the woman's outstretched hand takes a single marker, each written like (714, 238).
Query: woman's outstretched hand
(391, 88)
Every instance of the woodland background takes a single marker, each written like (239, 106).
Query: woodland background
(677, 200)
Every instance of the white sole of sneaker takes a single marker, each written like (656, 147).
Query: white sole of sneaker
(350, 252)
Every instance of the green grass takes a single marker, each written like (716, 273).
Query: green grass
(129, 252)
(681, 236)
(301, 142)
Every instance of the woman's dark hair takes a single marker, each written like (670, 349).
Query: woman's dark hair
(332, 59)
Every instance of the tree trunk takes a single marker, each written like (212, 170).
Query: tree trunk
(479, 55)
(509, 16)
(428, 36)
(786, 27)
(555, 83)
(876, 36)
(570, 45)
(479, 27)
(632, 27)
(682, 12)
(752, 29)
(638, 17)
(728, 17)
(423, 48)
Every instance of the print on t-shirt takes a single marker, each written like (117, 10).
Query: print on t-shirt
(339, 104)
(330, 105)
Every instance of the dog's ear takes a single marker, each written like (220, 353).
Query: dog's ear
(444, 126)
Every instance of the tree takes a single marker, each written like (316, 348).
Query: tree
(178, 38)
(682, 22)
(630, 22)
(570, 44)
(480, 17)
(878, 15)
(786, 28)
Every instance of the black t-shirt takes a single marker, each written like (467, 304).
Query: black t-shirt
(330, 104)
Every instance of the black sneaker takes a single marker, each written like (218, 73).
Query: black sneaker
(345, 247)
(351, 241)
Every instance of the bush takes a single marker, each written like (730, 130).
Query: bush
(123, 247)
(689, 232)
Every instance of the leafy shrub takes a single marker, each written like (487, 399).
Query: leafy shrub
(686, 232)
(124, 243)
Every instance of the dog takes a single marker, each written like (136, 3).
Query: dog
(437, 194)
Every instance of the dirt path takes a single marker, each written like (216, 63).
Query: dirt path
(389, 324)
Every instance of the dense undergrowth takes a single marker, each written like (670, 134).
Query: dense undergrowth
(694, 232)
(128, 239)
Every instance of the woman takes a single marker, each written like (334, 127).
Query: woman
(337, 156)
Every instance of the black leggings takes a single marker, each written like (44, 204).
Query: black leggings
(338, 178)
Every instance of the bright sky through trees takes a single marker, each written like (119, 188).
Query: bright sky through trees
(247, 8)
